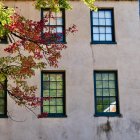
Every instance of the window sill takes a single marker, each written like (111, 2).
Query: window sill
(97, 43)
(58, 43)
(3, 116)
(108, 115)
(6, 42)
(56, 116)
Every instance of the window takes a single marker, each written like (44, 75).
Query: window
(53, 85)
(3, 100)
(106, 93)
(3, 40)
(55, 25)
(102, 26)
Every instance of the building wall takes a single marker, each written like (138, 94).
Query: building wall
(79, 60)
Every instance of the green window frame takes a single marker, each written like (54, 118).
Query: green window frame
(3, 99)
(102, 26)
(55, 25)
(53, 85)
(106, 93)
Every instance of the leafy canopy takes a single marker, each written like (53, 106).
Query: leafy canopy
(28, 49)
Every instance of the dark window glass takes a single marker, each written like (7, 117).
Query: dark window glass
(3, 99)
(106, 93)
(3, 40)
(102, 26)
(53, 85)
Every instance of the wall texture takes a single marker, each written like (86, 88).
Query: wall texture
(79, 61)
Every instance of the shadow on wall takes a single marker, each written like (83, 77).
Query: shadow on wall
(104, 128)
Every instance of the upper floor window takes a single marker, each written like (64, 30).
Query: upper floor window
(106, 93)
(3, 99)
(102, 26)
(53, 85)
(55, 25)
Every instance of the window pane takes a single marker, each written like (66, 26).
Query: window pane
(99, 100)
(106, 101)
(59, 93)
(46, 85)
(1, 102)
(95, 14)
(95, 22)
(95, 30)
(59, 109)
(59, 101)
(98, 84)
(101, 14)
(59, 14)
(52, 102)
(52, 21)
(105, 84)
(99, 92)
(59, 29)
(52, 93)
(112, 92)
(59, 21)
(45, 93)
(108, 21)
(111, 76)
(102, 29)
(108, 37)
(45, 77)
(45, 108)
(1, 109)
(101, 21)
(107, 14)
(96, 37)
(111, 84)
(45, 102)
(1, 93)
(98, 76)
(99, 108)
(108, 29)
(53, 30)
(106, 108)
(46, 13)
(112, 100)
(59, 85)
(52, 14)
(52, 85)
(112, 108)
(105, 92)
(52, 77)
(59, 77)
(52, 109)
(102, 37)
(105, 76)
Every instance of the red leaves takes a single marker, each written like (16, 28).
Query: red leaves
(72, 29)
(43, 115)
(29, 46)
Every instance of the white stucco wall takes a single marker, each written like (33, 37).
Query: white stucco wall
(79, 60)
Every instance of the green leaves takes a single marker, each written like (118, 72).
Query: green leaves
(55, 5)
(90, 4)
(2, 78)
(5, 18)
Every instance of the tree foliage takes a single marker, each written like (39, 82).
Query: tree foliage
(55, 5)
(28, 49)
